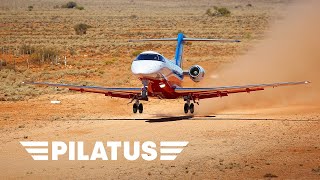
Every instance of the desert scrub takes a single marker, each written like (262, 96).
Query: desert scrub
(38, 53)
(136, 53)
(81, 28)
(80, 7)
(12, 89)
(30, 8)
(218, 11)
(72, 5)
(69, 5)
(26, 49)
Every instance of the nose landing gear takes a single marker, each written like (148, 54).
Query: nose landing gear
(137, 106)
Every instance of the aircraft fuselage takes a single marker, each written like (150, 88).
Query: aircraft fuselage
(162, 75)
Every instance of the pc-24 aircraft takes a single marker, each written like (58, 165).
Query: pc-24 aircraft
(162, 78)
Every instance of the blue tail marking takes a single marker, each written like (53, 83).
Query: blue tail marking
(179, 50)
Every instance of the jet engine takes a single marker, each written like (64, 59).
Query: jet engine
(196, 73)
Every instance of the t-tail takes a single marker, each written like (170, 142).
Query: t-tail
(181, 39)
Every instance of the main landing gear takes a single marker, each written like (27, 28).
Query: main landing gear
(188, 106)
(137, 107)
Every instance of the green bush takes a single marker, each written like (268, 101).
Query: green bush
(81, 28)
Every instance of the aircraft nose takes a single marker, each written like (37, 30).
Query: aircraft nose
(146, 67)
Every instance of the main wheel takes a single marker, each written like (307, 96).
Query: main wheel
(192, 108)
(135, 108)
(186, 108)
(140, 108)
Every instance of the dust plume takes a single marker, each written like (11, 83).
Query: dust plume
(290, 52)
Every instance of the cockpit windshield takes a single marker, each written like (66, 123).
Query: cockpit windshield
(153, 57)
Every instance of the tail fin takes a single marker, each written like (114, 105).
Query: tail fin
(180, 41)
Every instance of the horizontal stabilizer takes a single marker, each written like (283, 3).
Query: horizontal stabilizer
(163, 39)
(217, 40)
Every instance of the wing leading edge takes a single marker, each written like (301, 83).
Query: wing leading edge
(127, 93)
(204, 93)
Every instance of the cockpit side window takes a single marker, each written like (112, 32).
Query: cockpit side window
(153, 57)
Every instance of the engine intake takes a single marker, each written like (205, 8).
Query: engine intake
(196, 73)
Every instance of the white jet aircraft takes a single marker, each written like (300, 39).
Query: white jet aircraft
(162, 78)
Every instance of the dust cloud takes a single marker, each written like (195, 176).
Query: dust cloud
(290, 52)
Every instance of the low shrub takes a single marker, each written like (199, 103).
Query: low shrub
(218, 11)
(69, 5)
(30, 8)
(80, 7)
(26, 49)
(81, 28)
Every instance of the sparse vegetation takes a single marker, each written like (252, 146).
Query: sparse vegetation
(316, 170)
(269, 175)
(133, 16)
(38, 53)
(81, 28)
(3, 63)
(69, 5)
(27, 49)
(30, 8)
(44, 53)
(136, 53)
(80, 7)
(218, 11)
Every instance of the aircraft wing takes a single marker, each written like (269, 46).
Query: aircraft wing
(127, 93)
(204, 93)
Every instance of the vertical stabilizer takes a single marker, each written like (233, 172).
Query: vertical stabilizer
(179, 50)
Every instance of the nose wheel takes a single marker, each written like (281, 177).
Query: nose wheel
(137, 107)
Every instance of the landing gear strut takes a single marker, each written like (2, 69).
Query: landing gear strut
(137, 106)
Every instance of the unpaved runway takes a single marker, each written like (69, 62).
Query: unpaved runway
(257, 143)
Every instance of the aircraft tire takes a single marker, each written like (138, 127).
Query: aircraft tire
(191, 108)
(140, 107)
(186, 108)
(135, 108)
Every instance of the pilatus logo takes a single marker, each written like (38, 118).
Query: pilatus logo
(43, 150)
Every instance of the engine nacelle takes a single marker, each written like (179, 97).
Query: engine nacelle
(196, 73)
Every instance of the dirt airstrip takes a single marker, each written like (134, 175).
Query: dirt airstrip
(261, 143)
